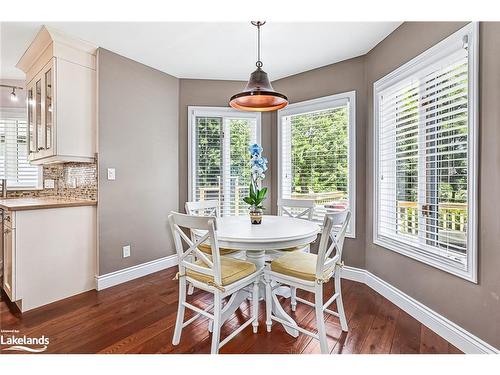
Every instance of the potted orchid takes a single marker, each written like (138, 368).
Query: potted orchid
(256, 196)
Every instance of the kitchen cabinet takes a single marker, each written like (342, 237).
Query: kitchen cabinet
(9, 261)
(61, 98)
(49, 251)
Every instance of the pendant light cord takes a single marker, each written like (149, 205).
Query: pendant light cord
(258, 45)
(259, 63)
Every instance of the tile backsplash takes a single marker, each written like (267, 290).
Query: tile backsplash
(71, 180)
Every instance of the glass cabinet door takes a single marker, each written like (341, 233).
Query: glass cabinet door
(48, 109)
(40, 140)
(31, 122)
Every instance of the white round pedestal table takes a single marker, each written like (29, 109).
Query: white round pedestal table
(274, 233)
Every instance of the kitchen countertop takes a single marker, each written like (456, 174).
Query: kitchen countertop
(18, 204)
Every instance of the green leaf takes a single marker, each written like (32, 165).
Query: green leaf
(252, 192)
(248, 200)
(262, 193)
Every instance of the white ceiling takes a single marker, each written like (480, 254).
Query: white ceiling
(209, 50)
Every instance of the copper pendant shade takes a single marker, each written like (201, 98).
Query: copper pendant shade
(258, 95)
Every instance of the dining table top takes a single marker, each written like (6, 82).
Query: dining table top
(273, 232)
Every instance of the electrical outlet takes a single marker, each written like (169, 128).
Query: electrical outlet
(111, 174)
(49, 184)
(126, 251)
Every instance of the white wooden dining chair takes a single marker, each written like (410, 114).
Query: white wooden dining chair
(221, 276)
(209, 208)
(203, 208)
(298, 208)
(310, 272)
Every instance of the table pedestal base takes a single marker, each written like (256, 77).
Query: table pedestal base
(258, 258)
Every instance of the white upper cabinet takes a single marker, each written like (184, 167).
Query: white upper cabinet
(61, 87)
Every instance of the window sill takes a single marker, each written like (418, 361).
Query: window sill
(424, 256)
(13, 188)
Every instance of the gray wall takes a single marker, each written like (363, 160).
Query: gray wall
(475, 307)
(213, 93)
(344, 76)
(138, 124)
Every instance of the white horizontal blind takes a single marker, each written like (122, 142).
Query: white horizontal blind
(315, 154)
(221, 159)
(423, 159)
(14, 165)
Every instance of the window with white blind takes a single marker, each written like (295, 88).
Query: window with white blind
(317, 154)
(219, 156)
(14, 165)
(426, 156)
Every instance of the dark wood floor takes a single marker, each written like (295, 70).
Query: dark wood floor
(139, 316)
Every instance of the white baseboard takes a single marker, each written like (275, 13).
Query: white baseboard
(131, 273)
(453, 333)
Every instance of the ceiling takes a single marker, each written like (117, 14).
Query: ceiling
(209, 50)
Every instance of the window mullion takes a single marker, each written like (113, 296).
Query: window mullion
(422, 173)
(225, 183)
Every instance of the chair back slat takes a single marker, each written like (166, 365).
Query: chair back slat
(203, 208)
(288, 207)
(332, 241)
(186, 246)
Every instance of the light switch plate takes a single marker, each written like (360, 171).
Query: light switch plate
(126, 251)
(111, 174)
(48, 184)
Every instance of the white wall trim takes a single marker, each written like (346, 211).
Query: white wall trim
(452, 332)
(134, 272)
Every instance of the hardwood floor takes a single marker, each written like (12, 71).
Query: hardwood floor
(139, 316)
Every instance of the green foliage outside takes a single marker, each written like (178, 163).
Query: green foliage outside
(320, 151)
(446, 137)
(208, 152)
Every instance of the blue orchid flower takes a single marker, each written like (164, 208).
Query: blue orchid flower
(260, 162)
(255, 149)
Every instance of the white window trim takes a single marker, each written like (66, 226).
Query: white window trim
(321, 104)
(427, 58)
(197, 111)
(20, 113)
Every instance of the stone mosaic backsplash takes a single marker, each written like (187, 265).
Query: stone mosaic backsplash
(71, 180)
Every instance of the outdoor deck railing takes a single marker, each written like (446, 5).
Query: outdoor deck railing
(214, 192)
(451, 217)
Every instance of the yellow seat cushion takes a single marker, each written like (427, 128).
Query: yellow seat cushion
(231, 270)
(208, 250)
(296, 248)
(298, 264)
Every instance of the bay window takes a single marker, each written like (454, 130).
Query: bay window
(426, 156)
(219, 157)
(317, 154)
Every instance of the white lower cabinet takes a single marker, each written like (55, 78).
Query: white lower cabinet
(49, 254)
(9, 256)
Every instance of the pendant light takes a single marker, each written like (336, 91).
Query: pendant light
(258, 95)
